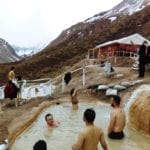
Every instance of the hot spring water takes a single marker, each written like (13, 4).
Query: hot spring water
(71, 124)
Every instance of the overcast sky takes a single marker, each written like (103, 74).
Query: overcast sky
(31, 22)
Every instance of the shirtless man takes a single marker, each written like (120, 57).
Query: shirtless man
(117, 119)
(11, 74)
(90, 137)
(74, 100)
(50, 121)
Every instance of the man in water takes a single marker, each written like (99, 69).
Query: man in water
(91, 135)
(11, 74)
(117, 119)
(50, 121)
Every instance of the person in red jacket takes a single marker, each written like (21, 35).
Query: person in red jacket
(10, 91)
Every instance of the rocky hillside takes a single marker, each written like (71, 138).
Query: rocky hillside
(104, 20)
(73, 43)
(7, 53)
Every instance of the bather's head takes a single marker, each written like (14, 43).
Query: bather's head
(40, 145)
(49, 119)
(89, 115)
(115, 101)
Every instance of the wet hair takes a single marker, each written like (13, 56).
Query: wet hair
(47, 115)
(89, 115)
(117, 99)
(40, 145)
(12, 68)
(72, 91)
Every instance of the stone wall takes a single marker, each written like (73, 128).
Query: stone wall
(139, 113)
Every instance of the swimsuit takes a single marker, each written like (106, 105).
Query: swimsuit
(74, 102)
(116, 135)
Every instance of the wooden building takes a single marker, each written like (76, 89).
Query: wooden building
(127, 46)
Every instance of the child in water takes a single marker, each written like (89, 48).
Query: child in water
(74, 100)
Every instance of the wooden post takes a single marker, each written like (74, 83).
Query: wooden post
(0, 106)
(63, 85)
(88, 56)
(50, 87)
(83, 77)
(115, 59)
(93, 53)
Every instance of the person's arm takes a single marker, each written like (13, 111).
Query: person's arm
(111, 123)
(79, 144)
(74, 93)
(12, 74)
(56, 123)
(103, 142)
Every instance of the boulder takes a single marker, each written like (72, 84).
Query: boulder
(102, 87)
(139, 113)
(111, 92)
(119, 87)
(126, 84)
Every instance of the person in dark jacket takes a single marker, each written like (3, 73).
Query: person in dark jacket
(142, 59)
(148, 55)
(67, 77)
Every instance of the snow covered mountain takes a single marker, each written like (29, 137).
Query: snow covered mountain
(126, 7)
(7, 53)
(28, 51)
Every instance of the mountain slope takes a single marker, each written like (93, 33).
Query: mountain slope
(103, 20)
(72, 44)
(126, 7)
(7, 53)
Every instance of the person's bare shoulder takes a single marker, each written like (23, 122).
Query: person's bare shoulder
(114, 112)
(84, 131)
(98, 130)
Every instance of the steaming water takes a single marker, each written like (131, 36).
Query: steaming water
(65, 135)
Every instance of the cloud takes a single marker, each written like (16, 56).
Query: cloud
(28, 22)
